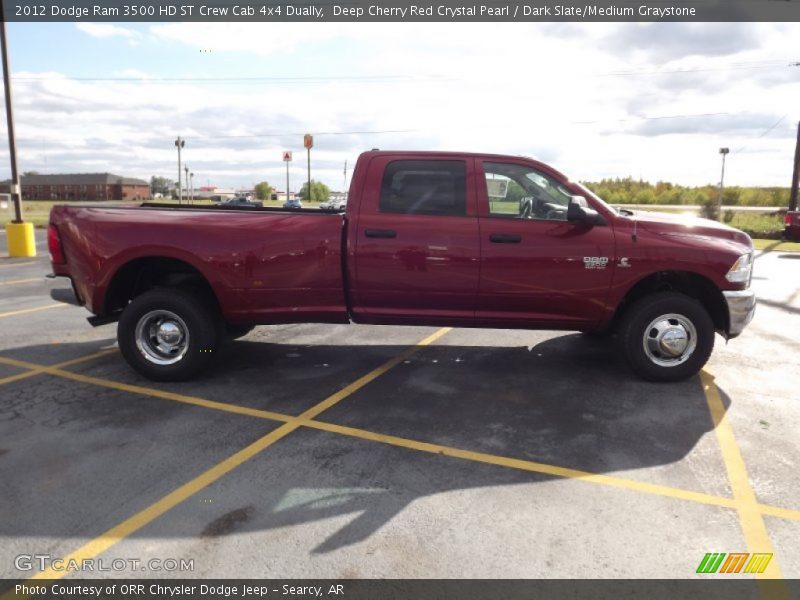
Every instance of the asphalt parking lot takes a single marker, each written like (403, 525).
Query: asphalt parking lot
(349, 452)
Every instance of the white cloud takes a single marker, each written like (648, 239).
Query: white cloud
(108, 30)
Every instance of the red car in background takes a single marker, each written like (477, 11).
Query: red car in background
(792, 230)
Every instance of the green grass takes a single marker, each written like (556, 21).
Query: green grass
(776, 246)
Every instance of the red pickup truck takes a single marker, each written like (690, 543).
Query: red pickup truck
(427, 238)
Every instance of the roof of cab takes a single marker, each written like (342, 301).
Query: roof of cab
(447, 154)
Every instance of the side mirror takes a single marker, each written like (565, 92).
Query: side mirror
(578, 210)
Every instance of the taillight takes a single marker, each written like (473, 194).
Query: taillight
(788, 219)
(54, 245)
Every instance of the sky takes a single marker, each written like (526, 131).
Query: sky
(597, 100)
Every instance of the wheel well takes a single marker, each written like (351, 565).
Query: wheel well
(691, 284)
(142, 274)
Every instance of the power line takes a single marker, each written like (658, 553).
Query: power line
(765, 132)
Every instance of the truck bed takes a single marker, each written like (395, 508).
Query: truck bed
(266, 264)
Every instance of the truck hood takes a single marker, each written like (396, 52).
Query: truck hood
(683, 225)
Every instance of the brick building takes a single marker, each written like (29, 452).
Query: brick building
(83, 186)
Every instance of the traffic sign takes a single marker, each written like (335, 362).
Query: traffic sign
(308, 141)
(287, 156)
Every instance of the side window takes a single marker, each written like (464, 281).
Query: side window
(520, 192)
(425, 187)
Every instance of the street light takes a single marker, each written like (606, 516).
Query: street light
(186, 170)
(179, 143)
(191, 188)
(724, 152)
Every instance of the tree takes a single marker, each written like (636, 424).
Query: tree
(161, 185)
(319, 191)
(263, 190)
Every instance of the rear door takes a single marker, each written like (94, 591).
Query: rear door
(537, 267)
(417, 251)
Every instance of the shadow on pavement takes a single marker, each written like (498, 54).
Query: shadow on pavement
(77, 459)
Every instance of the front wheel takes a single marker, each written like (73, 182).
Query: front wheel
(167, 334)
(666, 336)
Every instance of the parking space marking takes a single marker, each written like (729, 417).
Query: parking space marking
(30, 310)
(307, 421)
(131, 525)
(18, 281)
(744, 500)
(32, 369)
(750, 518)
(525, 465)
(19, 264)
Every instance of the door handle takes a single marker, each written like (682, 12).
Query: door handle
(505, 238)
(380, 233)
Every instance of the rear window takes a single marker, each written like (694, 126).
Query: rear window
(425, 187)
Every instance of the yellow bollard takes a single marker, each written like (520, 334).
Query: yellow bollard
(21, 241)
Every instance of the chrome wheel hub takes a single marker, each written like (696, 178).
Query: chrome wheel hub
(162, 337)
(669, 340)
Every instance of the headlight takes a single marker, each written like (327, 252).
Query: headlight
(741, 269)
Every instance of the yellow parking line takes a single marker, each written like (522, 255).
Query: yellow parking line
(508, 462)
(34, 369)
(18, 281)
(525, 465)
(30, 310)
(127, 527)
(750, 518)
(781, 513)
(136, 389)
(152, 512)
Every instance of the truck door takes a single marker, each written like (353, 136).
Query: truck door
(417, 249)
(536, 266)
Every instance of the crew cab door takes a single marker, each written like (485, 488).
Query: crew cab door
(417, 247)
(536, 266)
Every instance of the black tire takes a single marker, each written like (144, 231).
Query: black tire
(648, 357)
(234, 332)
(182, 311)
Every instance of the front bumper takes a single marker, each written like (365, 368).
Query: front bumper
(741, 308)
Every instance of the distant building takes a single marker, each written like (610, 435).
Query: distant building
(210, 192)
(83, 186)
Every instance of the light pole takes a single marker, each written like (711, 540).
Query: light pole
(186, 179)
(19, 235)
(191, 188)
(724, 152)
(179, 143)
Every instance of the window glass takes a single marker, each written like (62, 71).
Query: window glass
(425, 187)
(520, 192)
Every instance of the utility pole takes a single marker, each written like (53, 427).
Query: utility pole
(795, 173)
(19, 235)
(179, 143)
(191, 188)
(724, 152)
(344, 189)
(308, 142)
(186, 179)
